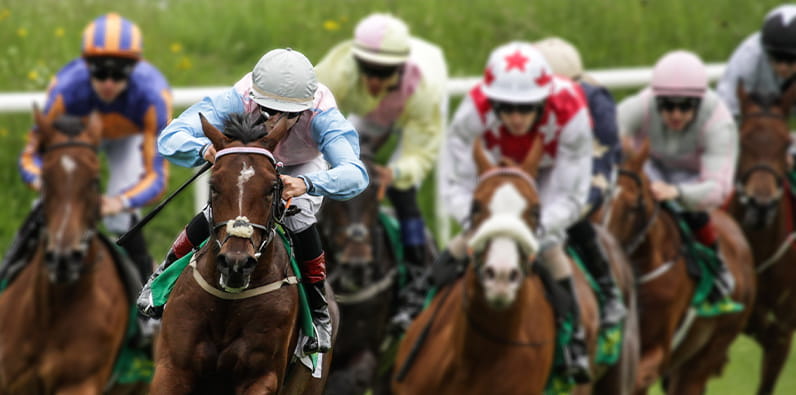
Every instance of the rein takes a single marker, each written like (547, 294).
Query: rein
(261, 290)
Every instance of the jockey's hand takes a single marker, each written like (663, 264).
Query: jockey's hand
(663, 191)
(384, 175)
(111, 205)
(293, 186)
(210, 154)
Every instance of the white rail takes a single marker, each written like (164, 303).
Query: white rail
(623, 78)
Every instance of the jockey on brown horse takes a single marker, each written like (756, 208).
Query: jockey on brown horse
(282, 86)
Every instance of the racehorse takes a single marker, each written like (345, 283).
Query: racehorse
(231, 322)
(63, 319)
(363, 272)
(675, 343)
(493, 330)
(763, 205)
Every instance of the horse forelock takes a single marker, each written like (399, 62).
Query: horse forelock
(243, 127)
(506, 204)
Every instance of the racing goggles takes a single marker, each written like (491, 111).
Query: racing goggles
(268, 113)
(522, 108)
(376, 71)
(670, 103)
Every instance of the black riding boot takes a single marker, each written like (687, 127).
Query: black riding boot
(576, 354)
(191, 236)
(596, 260)
(725, 282)
(316, 297)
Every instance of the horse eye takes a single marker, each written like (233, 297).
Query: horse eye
(475, 208)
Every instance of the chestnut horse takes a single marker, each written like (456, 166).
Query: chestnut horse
(363, 272)
(674, 342)
(231, 323)
(763, 205)
(63, 319)
(493, 331)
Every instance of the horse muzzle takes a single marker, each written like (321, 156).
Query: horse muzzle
(235, 269)
(64, 267)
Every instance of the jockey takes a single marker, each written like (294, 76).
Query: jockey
(134, 102)
(387, 81)
(282, 84)
(565, 60)
(693, 145)
(765, 61)
(518, 99)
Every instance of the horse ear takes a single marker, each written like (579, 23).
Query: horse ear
(482, 162)
(94, 127)
(216, 137)
(740, 92)
(634, 156)
(43, 125)
(531, 162)
(276, 134)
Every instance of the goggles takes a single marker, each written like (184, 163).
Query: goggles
(781, 57)
(376, 71)
(103, 68)
(670, 103)
(522, 108)
(268, 113)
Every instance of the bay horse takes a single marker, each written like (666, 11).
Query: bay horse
(231, 322)
(675, 344)
(363, 271)
(63, 319)
(763, 205)
(493, 330)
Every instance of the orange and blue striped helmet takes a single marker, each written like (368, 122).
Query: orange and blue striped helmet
(112, 35)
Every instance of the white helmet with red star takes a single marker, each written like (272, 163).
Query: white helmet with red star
(517, 73)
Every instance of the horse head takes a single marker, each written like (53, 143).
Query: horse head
(245, 193)
(762, 163)
(631, 208)
(354, 238)
(69, 189)
(505, 216)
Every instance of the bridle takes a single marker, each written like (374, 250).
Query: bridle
(643, 222)
(241, 226)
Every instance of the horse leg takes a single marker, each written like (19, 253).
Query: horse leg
(649, 368)
(776, 345)
(267, 384)
(168, 380)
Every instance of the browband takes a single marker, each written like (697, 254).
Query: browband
(246, 150)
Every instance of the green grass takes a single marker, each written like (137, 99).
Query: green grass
(208, 42)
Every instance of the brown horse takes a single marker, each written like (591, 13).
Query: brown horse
(763, 205)
(63, 318)
(364, 274)
(493, 330)
(674, 343)
(231, 323)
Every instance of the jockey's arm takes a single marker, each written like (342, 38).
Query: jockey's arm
(458, 168)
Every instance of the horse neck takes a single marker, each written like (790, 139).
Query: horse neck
(480, 330)
(661, 244)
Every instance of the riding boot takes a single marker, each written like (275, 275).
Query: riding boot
(316, 297)
(613, 308)
(190, 237)
(725, 282)
(576, 354)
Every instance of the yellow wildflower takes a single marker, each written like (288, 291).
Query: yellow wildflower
(331, 25)
(59, 32)
(33, 75)
(184, 63)
(3, 132)
(176, 47)
(4, 13)
(22, 32)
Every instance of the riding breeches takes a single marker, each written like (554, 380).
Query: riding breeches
(125, 169)
(556, 261)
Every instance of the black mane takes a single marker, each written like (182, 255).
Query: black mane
(243, 127)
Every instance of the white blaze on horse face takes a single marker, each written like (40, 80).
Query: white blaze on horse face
(246, 173)
(501, 272)
(69, 166)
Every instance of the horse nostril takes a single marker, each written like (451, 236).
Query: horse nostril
(489, 273)
(514, 274)
(76, 255)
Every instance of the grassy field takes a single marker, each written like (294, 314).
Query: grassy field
(206, 42)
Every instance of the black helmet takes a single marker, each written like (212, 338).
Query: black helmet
(778, 34)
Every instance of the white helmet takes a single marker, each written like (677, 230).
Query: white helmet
(562, 57)
(517, 73)
(381, 39)
(284, 80)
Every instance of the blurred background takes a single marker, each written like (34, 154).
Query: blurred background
(199, 43)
